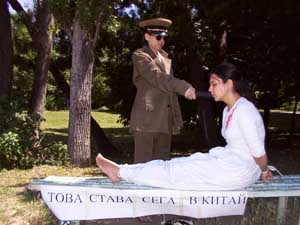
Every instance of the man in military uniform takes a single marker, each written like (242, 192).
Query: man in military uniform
(155, 113)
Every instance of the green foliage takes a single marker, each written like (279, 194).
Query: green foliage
(112, 85)
(63, 11)
(17, 146)
(261, 37)
(15, 151)
(265, 44)
(88, 12)
(54, 154)
(100, 90)
(55, 98)
(23, 68)
(15, 137)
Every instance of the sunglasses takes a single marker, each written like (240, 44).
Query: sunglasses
(158, 37)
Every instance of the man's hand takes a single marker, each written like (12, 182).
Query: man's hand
(190, 93)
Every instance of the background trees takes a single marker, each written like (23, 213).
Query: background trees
(258, 36)
(91, 71)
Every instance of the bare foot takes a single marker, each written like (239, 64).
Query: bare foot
(108, 167)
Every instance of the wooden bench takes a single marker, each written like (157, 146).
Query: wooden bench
(280, 186)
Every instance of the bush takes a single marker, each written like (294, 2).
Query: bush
(55, 154)
(16, 142)
(18, 149)
(15, 153)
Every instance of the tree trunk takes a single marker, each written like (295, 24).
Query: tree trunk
(102, 143)
(293, 120)
(222, 48)
(43, 44)
(266, 118)
(42, 40)
(80, 96)
(6, 52)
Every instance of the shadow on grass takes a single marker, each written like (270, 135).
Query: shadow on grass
(55, 135)
(282, 148)
(114, 134)
(28, 196)
(187, 142)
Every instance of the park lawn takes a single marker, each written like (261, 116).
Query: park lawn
(19, 206)
(59, 120)
(55, 126)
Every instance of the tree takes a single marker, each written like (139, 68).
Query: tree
(103, 144)
(82, 20)
(260, 37)
(42, 42)
(41, 32)
(6, 52)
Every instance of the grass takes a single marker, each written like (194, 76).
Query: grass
(56, 122)
(59, 120)
(18, 206)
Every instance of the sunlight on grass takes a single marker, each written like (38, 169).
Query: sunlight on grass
(21, 206)
(107, 120)
(58, 120)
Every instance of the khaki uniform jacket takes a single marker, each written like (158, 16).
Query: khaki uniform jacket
(156, 96)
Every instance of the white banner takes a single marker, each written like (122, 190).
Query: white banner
(83, 203)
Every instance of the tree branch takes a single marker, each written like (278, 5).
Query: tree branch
(24, 15)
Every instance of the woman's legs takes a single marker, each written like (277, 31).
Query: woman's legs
(111, 169)
(174, 173)
(108, 167)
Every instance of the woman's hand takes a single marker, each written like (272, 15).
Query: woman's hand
(266, 175)
(262, 162)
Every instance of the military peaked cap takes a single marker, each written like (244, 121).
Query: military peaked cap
(156, 22)
(156, 26)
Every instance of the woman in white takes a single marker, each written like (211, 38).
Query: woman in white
(239, 164)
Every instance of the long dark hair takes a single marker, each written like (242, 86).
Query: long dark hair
(228, 71)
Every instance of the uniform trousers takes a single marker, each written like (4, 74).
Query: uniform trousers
(151, 145)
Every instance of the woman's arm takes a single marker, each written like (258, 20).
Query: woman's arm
(252, 128)
(262, 162)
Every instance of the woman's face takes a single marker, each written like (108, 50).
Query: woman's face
(153, 43)
(217, 87)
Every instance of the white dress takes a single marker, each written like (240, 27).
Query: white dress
(223, 168)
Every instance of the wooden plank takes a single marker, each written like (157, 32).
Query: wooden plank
(281, 210)
(277, 187)
(299, 219)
